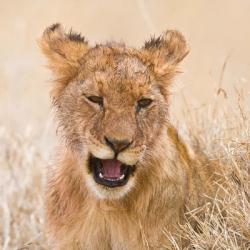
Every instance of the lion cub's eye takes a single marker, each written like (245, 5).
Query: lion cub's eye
(143, 103)
(96, 99)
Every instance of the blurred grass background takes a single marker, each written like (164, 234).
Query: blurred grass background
(216, 74)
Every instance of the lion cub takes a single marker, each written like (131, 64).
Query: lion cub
(122, 176)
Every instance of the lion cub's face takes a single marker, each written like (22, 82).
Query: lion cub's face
(111, 103)
(115, 112)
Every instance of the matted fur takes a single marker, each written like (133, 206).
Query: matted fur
(169, 178)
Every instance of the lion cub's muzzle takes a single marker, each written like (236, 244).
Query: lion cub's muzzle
(112, 163)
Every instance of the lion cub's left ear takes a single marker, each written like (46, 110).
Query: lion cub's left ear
(166, 51)
(64, 52)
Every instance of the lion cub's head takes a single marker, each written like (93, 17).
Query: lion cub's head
(111, 102)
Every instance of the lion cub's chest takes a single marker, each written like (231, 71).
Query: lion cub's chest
(107, 228)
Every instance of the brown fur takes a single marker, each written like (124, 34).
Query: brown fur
(168, 177)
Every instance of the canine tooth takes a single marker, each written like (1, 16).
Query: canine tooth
(100, 175)
(122, 177)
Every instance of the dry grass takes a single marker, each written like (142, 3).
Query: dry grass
(222, 132)
(21, 209)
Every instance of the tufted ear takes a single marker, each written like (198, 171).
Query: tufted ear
(64, 52)
(165, 52)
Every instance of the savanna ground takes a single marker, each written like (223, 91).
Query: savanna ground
(210, 104)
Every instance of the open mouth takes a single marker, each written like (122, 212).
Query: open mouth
(111, 172)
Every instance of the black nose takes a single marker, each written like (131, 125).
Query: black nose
(117, 145)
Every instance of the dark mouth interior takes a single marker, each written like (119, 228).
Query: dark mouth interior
(110, 173)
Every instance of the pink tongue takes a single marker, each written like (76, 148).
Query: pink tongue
(111, 168)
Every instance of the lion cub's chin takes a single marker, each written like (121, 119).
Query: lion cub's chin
(103, 192)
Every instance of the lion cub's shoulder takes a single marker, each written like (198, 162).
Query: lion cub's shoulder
(203, 174)
(184, 150)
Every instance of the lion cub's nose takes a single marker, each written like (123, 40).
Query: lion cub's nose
(117, 145)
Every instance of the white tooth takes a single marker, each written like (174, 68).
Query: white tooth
(100, 175)
(109, 179)
(122, 177)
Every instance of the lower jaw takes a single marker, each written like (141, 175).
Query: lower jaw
(111, 184)
(105, 193)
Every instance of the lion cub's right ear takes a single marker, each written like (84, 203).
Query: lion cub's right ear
(166, 52)
(64, 52)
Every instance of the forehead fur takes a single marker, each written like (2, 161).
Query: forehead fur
(110, 70)
(115, 61)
